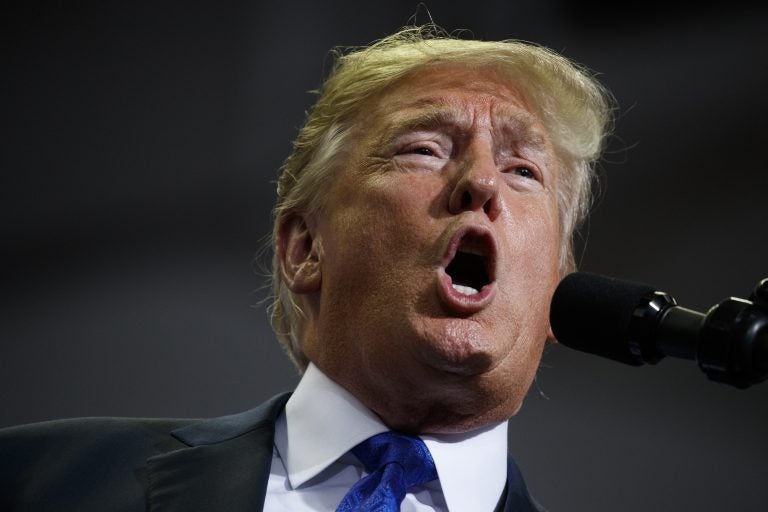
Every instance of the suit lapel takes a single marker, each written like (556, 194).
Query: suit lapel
(225, 466)
(515, 497)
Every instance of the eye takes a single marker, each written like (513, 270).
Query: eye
(524, 172)
(422, 150)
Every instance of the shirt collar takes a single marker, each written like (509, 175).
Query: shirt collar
(472, 466)
(323, 421)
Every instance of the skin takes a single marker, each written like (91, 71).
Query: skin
(445, 150)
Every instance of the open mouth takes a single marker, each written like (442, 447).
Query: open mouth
(468, 273)
(468, 269)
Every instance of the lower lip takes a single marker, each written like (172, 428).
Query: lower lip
(459, 302)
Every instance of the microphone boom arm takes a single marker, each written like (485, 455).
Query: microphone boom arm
(637, 325)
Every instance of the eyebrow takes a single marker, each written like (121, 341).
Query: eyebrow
(431, 114)
(424, 115)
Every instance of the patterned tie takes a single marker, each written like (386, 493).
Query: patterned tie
(395, 463)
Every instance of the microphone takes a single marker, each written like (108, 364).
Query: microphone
(635, 324)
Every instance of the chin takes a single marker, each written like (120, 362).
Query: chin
(459, 347)
(449, 403)
(445, 420)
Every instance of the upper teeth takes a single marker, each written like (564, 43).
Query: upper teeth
(472, 250)
(466, 290)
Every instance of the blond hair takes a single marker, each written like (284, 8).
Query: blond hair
(574, 108)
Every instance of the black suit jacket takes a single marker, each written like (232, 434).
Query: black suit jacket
(138, 465)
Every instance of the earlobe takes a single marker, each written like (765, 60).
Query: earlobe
(299, 255)
(551, 336)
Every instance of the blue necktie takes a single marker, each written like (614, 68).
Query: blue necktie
(395, 463)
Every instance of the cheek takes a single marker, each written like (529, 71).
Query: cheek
(373, 237)
(533, 256)
(397, 210)
(535, 237)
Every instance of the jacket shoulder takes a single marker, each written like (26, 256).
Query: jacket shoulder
(47, 442)
(87, 461)
(116, 464)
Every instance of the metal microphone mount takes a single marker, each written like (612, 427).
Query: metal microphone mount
(729, 342)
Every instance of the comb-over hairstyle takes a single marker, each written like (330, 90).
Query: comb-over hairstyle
(574, 108)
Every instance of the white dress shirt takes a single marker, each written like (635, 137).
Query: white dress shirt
(312, 469)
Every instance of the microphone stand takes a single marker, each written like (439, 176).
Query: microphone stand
(733, 345)
(729, 342)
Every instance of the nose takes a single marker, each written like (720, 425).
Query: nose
(476, 186)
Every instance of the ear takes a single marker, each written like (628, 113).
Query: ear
(299, 255)
(551, 336)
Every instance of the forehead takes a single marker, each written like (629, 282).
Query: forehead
(452, 94)
(424, 80)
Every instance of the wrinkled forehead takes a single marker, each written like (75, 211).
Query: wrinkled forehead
(451, 95)
(474, 79)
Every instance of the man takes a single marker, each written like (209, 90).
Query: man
(422, 224)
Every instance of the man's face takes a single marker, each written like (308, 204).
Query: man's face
(438, 253)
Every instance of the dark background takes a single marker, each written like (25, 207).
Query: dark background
(140, 142)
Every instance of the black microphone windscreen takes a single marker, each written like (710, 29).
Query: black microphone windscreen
(592, 313)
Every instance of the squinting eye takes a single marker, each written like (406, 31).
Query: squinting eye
(524, 172)
(423, 151)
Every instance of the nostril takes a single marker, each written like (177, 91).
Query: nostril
(466, 200)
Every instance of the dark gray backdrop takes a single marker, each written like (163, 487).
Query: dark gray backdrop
(139, 146)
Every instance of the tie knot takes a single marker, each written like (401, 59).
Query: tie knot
(395, 463)
(408, 452)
